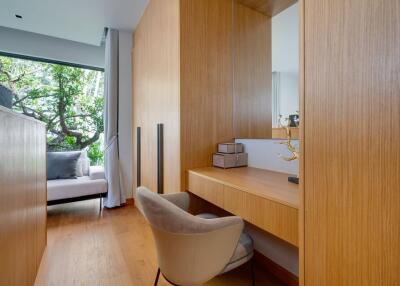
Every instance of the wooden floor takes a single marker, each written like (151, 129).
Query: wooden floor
(114, 249)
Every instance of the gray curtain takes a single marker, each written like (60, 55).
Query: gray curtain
(115, 196)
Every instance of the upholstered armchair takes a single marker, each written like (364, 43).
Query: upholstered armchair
(192, 249)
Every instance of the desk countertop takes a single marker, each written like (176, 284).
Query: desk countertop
(264, 183)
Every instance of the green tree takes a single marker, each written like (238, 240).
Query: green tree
(68, 99)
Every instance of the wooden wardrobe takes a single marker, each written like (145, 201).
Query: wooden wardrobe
(192, 67)
(350, 138)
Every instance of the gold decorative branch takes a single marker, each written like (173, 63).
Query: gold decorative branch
(295, 152)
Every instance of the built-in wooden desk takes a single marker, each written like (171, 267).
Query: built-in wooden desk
(263, 198)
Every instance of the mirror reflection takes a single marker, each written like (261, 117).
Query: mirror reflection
(285, 67)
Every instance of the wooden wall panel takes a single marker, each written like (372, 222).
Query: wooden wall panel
(252, 74)
(22, 189)
(206, 80)
(352, 135)
(268, 7)
(41, 191)
(302, 144)
(156, 91)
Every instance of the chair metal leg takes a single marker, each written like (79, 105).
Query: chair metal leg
(253, 276)
(158, 276)
(101, 204)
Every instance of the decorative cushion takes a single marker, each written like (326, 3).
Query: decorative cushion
(79, 165)
(62, 165)
(82, 167)
(5, 97)
(85, 163)
(96, 173)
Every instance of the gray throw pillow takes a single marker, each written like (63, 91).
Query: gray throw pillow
(5, 97)
(62, 165)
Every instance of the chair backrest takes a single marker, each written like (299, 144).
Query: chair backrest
(191, 250)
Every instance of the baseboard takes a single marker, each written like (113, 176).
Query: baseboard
(130, 201)
(276, 270)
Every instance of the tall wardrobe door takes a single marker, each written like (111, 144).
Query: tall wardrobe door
(352, 137)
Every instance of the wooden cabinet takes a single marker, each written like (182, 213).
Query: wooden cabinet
(269, 215)
(351, 136)
(23, 197)
(156, 91)
(268, 7)
(185, 76)
(252, 73)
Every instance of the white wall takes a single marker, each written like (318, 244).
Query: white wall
(289, 93)
(125, 111)
(285, 40)
(285, 58)
(40, 46)
(266, 154)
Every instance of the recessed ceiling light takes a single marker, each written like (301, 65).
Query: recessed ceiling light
(18, 16)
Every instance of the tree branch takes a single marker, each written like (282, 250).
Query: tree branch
(25, 97)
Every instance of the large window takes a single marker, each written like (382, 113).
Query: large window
(68, 99)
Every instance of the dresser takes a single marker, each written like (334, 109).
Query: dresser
(261, 197)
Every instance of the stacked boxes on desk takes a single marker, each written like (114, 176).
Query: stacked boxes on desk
(230, 155)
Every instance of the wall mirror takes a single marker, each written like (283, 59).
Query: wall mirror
(265, 67)
(285, 66)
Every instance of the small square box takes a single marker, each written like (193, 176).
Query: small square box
(223, 160)
(230, 148)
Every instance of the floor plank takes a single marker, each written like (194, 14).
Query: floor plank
(116, 248)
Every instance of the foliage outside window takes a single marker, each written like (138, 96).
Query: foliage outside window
(68, 99)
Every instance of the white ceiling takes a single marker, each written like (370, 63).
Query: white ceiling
(77, 20)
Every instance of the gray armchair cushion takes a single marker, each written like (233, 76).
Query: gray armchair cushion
(243, 252)
(244, 249)
(62, 165)
(180, 199)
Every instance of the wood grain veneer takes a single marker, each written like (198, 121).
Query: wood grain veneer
(183, 76)
(252, 73)
(156, 91)
(207, 189)
(264, 183)
(206, 80)
(351, 135)
(23, 196)
(271, 216)
(268, 7)
(280, 133)
(263, 198)
(302, 142)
